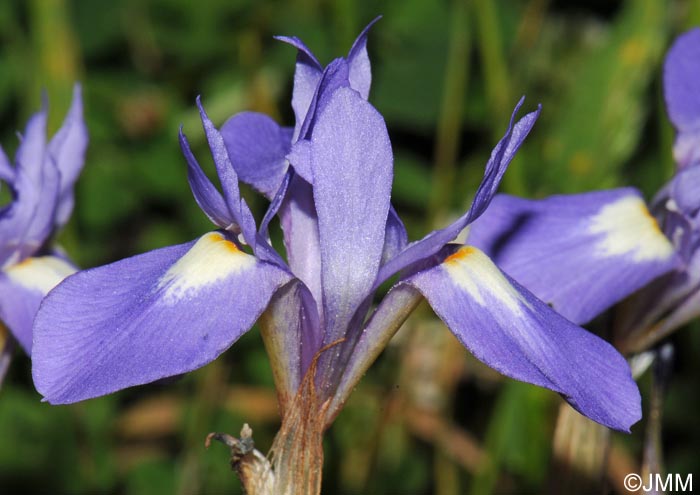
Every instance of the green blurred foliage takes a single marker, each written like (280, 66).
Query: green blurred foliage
(446, 76)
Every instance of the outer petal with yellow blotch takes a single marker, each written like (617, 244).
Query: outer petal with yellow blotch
(148, 317)
(512, 331)
(580, 253)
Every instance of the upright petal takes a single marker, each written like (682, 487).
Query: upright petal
(351, 161)
(395, 238)
(360, 73)
(30, 153)
(27, 222)
(682, 93)
(512, 331)
(67, 150)
(22, 287)
(335, 75)
(306, 77)
(257, 146)
(205, 193)
(148, 317)
(501, 157)
(229, 179)
(580, 253)
(299, 224)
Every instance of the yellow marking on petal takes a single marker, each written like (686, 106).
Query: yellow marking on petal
(42, 273)
(212, 258)
(474, 272)
(627, 228)
(461, 254)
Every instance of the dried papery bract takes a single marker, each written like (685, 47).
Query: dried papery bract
(296, 464)
(253, 468)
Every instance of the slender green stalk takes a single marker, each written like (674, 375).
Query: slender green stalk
(496, 79)
(450, 122)
(57, 55)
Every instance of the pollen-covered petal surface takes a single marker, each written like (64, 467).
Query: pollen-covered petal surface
(148, 317)
(580, 253)
(22, 287)
(509, 329)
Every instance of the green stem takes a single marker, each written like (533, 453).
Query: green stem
(450, 122)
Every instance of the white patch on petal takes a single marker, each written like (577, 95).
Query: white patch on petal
(474, 272)
(211, 259)
(42, 273)
(627, 228)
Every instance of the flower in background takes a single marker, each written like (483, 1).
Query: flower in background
(515, 233)
(673, 300)
(41, 184)
(328, 179)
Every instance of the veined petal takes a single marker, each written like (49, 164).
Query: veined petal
(580, 253)
(682, 94)
(360, 74)
(67, 150)
(22, 287)
(299, 224)
(352, 170)
(257, 146)
(512, 331)
(148, 317)
(306, 77)
(501, 157)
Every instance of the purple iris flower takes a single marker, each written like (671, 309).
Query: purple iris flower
(41, 185)
(328, 179)
(674, 300)
(600, 229)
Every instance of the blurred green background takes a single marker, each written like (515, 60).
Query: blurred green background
(428, 418)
